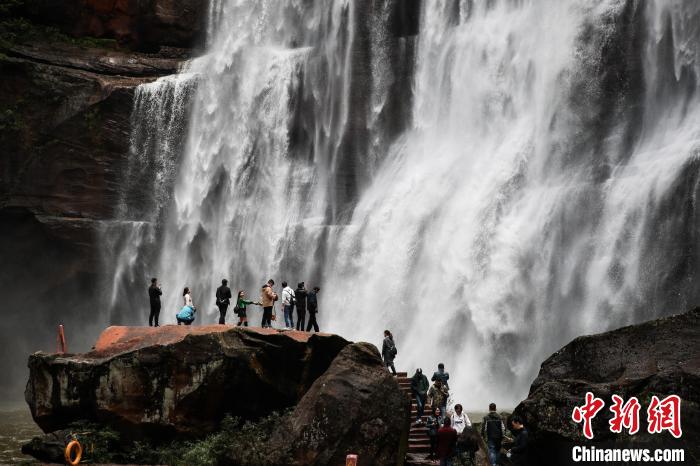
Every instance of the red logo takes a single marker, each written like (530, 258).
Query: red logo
(665, 415)
(587, 412)
(661, 415)
(625, 415)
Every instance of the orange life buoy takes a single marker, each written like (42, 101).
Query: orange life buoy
(73, 445)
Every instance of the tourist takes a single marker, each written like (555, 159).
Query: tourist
(493, 431)
(300, 296)
(518, 453)
(435, 420)
(437, 395)
(154, 293)
(188, 311)
(223, 299)
(267, 299)
(467, 446)
(240, 308)
(441, 375)
(460, 420)
(312, 307)
(389, 351)
(419, 387)
(446, 443)
(288, 306)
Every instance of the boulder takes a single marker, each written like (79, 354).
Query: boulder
(176, 381)
(660, 357)
(355, 407)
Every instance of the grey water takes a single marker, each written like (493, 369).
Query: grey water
(508, 176)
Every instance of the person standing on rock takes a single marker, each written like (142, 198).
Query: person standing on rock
(459, 419)
(446, 442)
(437, 395)
(419, 387)
(518, 453)
(240, 308)
(435, 420)
(300, 295)
(267, 298)
(493, 430)
(288, 305)
(312, 307)
(154, 293)
(442, 375)
(389, 351)
(188, 311)
(223, 300)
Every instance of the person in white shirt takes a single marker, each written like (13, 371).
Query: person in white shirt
(288, 304)
(460, 420)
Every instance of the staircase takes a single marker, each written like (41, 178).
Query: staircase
(418, 442)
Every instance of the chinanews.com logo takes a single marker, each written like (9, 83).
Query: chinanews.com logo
(662, 415)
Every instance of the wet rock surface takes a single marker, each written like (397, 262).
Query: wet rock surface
(171, 381)
(660, 357)
(355, 407)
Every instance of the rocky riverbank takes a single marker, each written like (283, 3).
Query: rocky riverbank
(316, 397)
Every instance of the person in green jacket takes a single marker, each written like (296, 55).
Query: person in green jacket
(241, 308)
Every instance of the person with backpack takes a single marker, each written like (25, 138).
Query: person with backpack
(288, 306)
(312, 307)
(493, 430)
(419, 387)
(389, 351)
(267, 298)
(240, 308)
(223, 300)
(154, 293)
(467, 446)
(300, 296)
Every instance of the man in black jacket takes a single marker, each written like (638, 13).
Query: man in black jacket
(493, 431)
(519, 451)
(223, 299)
(312, 307)
(154, 293)
(300, 296)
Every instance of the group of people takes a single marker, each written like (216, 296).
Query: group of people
(452, 436)
(451, 433)
(300, 299)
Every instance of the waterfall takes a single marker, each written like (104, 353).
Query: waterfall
(518, 174)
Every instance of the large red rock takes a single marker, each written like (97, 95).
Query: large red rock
(173, 380)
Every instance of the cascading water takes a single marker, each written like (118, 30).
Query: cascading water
(544, 189)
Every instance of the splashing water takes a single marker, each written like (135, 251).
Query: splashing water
(545, 187)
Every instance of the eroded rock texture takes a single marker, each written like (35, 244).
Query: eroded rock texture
(660, 357)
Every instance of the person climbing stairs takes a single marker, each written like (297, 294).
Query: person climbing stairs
(418, 441)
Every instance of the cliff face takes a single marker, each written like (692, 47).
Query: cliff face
(660, 357)
(68, 71)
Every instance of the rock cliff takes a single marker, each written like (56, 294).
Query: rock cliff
(178, 382)
(660, 357)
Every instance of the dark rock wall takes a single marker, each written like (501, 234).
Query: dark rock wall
(65, 106)
(142, 25)
(660, 357)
